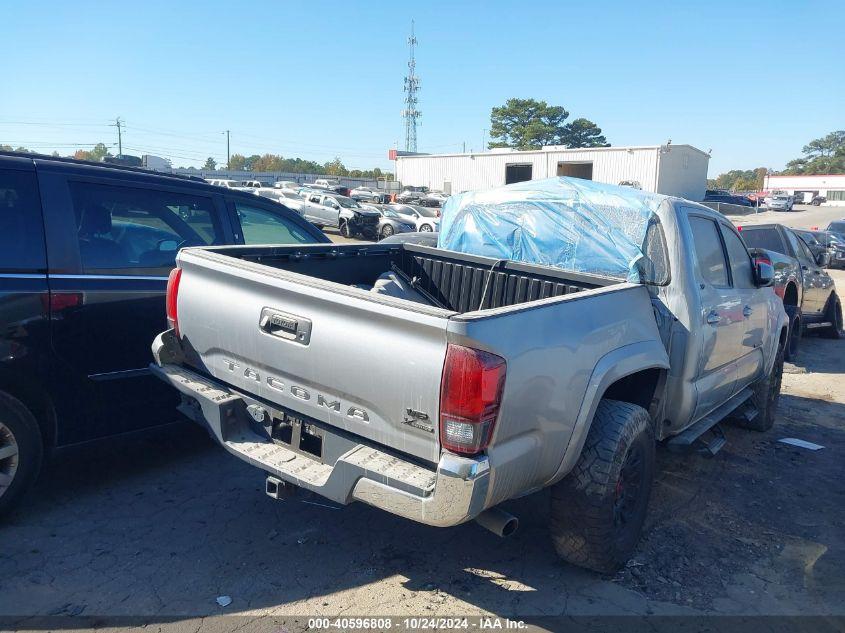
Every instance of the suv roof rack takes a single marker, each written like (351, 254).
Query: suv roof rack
(76, 161)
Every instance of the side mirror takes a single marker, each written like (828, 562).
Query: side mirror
(823, 259)
(764, 274)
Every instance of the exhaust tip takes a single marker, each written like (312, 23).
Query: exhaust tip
(498, 521)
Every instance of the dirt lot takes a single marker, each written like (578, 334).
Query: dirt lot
(164, 523)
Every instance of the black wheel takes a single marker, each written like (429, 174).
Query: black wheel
(765, 398)
(834, 316)
(345, 230)
(426, 228)
(597, 510)
(21, 451)
(796, 332)
(387, 231)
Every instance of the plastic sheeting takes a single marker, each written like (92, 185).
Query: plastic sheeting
(569, 223)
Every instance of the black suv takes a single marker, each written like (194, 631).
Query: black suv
(85, 252)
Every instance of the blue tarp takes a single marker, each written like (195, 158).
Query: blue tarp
(569, 223)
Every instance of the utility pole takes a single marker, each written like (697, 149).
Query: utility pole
(484, 139)
(228, 158)
(465, 147)
(118, 124)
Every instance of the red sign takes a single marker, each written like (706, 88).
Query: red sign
(391, 154)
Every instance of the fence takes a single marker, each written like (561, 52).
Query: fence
(269, 177)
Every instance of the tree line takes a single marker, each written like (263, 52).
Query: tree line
(825, 155)
(273, 162)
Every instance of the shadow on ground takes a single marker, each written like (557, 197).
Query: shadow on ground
(163, 523)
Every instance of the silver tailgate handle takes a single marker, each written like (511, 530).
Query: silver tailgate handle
(285, 325)
(713, 317)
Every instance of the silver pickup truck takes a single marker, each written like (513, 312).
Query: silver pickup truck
(483, 380)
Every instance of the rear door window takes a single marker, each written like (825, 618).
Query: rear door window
(742, 273)
(709, 252)
(121, 228)
(21, 227)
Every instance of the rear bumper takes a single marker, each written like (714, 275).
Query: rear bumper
(452, 494)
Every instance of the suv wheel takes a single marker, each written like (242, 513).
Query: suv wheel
(796, 331)
(834, 316)
(598, 509)
(21, 451)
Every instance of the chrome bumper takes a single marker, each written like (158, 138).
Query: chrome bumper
(452, 494)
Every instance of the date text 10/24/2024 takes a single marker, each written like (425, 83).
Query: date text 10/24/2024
(482, 623)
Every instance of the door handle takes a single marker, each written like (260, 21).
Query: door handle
(713, 317)
(747, 311)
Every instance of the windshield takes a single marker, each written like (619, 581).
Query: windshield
(426, 212)
(839, 227)
(349, 203)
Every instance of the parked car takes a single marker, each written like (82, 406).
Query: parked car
(368, 194)
(392, 223)
(809, 295)
(780, 202)
(85, 251)
(411, 194)
(424, 218)
(434, 199)
(223, 182)
(835, 242)
(287, 198)
(250, 184)
(331, 185)
(345, 214)
(837, 226)
(816, 247)
(429, 391)
(818, 200)
(286, 184)
(727, 198)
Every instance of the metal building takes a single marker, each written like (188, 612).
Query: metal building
(677, 170)
(807, 187)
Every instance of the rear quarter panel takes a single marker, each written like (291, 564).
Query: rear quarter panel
(552, 348)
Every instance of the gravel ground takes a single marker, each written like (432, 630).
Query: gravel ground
(163, 523)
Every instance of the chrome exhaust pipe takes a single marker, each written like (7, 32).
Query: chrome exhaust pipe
(498, 521)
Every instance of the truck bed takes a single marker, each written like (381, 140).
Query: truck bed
(456, 281)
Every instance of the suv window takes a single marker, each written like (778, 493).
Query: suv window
(262, 226)
(767, 238)
(742, 273)
(709, 252)
(122, 228)
(21, 228)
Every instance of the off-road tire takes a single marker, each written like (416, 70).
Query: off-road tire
(795, 333)
(765, 398)
(26, 463)
(598, 509)
(834, 315)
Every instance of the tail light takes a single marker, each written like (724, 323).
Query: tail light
(172, 296)
(470, 396)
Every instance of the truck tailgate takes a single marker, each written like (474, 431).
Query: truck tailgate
(367, 367)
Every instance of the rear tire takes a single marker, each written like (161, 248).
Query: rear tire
(834, 315)
(796, 332)
(765, 398)
(21, 451)
(387, 231)
(597, 510)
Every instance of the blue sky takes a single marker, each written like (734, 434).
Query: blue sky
(754, 81)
